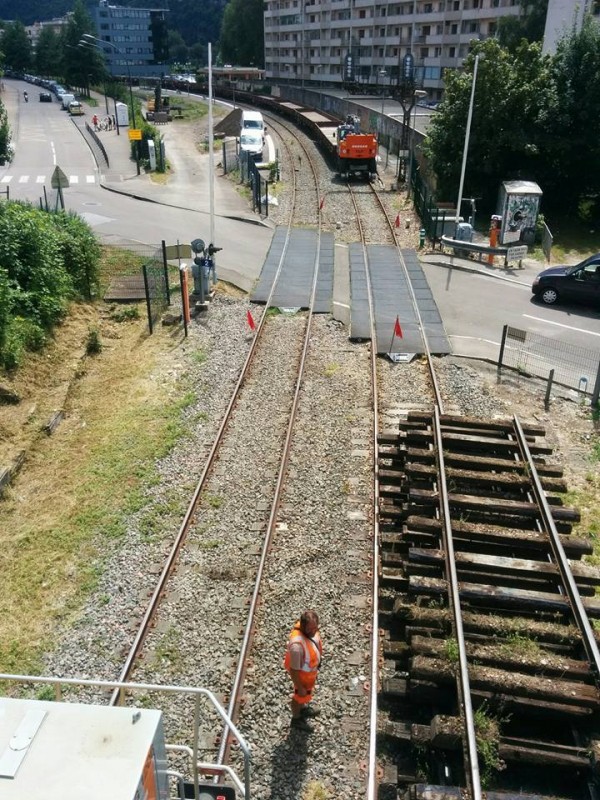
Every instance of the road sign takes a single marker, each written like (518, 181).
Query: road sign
(59, 179)
(516, 253)
(135, 134)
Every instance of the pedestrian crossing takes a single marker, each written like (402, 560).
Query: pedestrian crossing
(23, 179)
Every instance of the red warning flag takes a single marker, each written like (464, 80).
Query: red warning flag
(251, 322)
(321, 204)
(397, 328)
(397, 221)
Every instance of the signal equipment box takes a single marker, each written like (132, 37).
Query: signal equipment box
(69, 751)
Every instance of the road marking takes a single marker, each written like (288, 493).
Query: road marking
(40, 179)
(7, 178)
(53, 153)
(560, 325)
(24, 179)
(73, 179)
(90, 178)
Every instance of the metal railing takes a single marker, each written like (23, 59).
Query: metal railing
(531, 354)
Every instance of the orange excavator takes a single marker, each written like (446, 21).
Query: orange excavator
(356, 151)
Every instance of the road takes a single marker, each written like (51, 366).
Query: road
(474, 307)
(46, 137)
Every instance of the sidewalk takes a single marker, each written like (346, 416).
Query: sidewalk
(514, 273)
(185, 187)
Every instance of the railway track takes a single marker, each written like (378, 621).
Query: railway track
(461, 655)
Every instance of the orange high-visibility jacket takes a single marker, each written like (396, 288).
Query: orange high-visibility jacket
(313, 648)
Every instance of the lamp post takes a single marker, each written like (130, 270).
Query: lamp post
(382, 74)
(418, 94)
(466, 147)
(88, 38)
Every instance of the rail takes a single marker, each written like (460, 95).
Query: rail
(579, 613)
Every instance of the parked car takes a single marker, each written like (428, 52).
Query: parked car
(75, 108)
(580, 283)
(45, 97)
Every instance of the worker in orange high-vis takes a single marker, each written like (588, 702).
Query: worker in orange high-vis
(302, 661)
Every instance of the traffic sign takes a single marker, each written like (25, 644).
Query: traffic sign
(516, 253)
(59, 179)
(135, 134)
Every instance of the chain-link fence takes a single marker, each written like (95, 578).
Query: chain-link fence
(134, 271)
(574, 366)
(236, 160)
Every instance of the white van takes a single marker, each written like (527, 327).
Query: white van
(253, 120)
(252, 134)
(65, 99)
(252, 141)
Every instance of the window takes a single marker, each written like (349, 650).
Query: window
(424, 52)
(452, 52)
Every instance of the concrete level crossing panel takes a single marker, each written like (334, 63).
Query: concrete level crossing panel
(392, 299)
(437, 338)
(297, 261)
(360, 327)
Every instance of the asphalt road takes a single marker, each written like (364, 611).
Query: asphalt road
(475, 308)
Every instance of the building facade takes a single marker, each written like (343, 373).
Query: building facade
(313, 41)
(136, 39)
(564, 16)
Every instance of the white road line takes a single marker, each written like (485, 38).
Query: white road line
(24, 179)
(7, 178)
(53, 153)
(560, 325)
(40, 179)
(90, 178)
(73, 178)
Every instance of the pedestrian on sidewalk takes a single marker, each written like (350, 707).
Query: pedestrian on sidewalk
(95, 122)
(114, 122)
(303, 661)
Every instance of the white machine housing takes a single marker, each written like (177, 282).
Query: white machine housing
(70, 751)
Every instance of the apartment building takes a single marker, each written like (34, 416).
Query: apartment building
(565, 15)
(320, 41)
(136, 39)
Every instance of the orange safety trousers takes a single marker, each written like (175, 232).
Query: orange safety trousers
(308, 680)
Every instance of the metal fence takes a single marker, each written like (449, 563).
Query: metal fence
(234, 159)
(573, 366)
(435, 219)
(137, 271)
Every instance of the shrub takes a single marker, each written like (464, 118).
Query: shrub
(93, 345)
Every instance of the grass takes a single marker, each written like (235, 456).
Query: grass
(73, 499)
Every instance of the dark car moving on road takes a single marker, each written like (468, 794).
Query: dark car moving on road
(45, 97)
(580, 283)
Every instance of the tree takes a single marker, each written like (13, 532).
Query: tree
(528, 25)
(509, 130)
(47, 52)
(574, 145)
(242, 33)
(16, 46)
(80, 65)
(178, 49)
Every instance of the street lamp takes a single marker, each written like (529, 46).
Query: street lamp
(418, 94)
(382, 74)
(89, 39)
(466, 147)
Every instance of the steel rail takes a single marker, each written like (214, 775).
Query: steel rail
(464, 687)
(562, 562)
(169, 564)
(374, 670)
(240, 675)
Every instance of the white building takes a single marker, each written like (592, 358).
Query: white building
(564, 16)
(308, 41)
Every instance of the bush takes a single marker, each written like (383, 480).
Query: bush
(93, 345)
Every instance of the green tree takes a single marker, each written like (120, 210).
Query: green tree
(47, 52)
(81, 65)
(178, 49)
(574, 145)
(509, 130)
(242, 33)
(16, 46)
(5, 136)
(528, 25)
